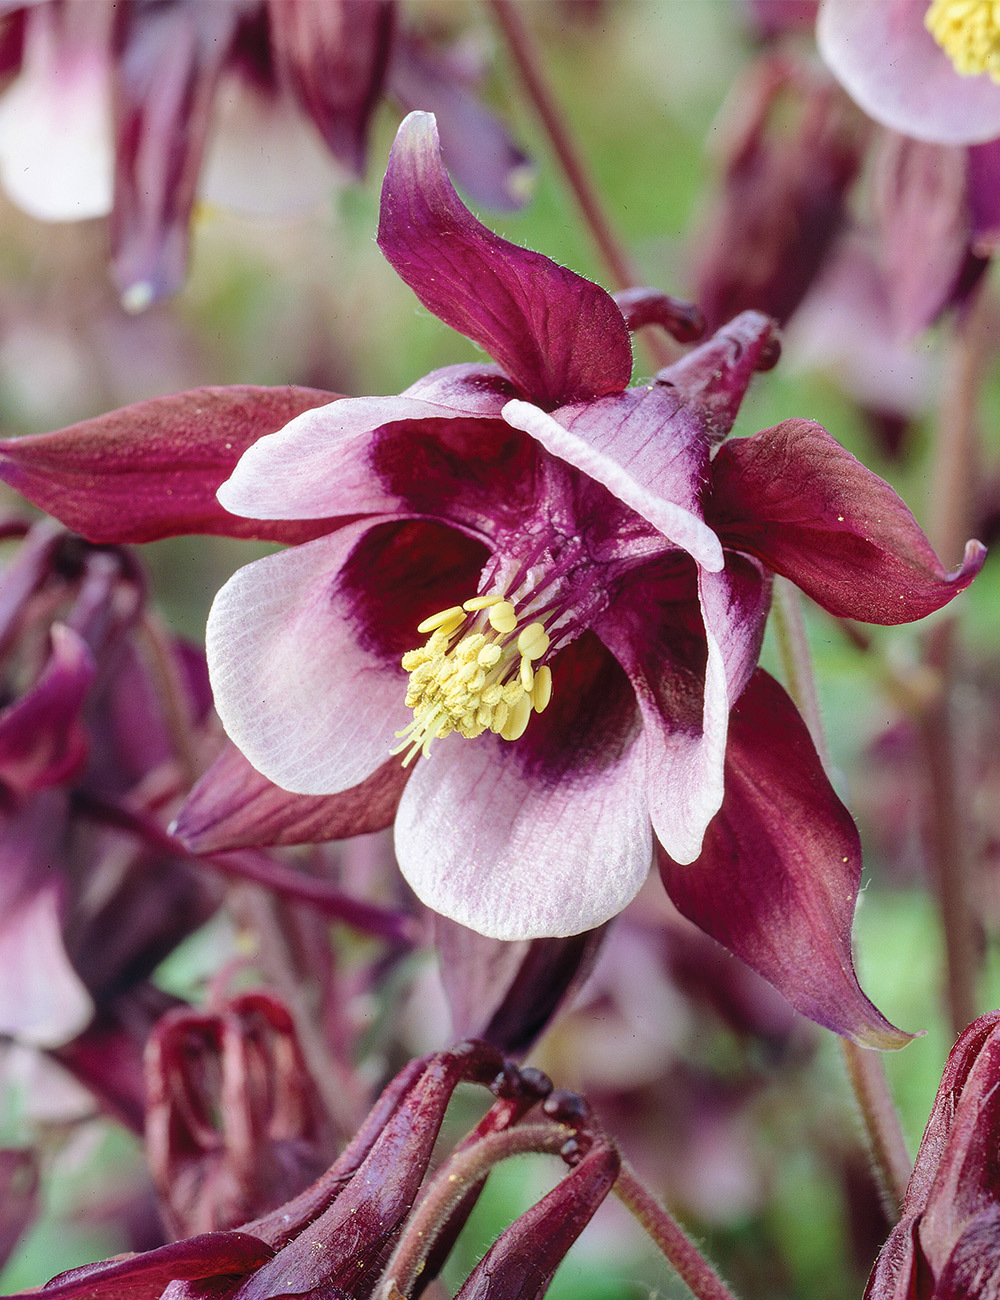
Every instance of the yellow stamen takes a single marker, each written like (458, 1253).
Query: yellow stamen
(474, 674)
(969, 33)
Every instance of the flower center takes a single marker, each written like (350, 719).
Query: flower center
(969, 33)
(477, 672)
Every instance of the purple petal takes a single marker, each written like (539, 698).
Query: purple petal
(475, 144)
(166, 74)
(807, 508)
(19, 1198)
(233, 806)
(143, 1277)
(686, 664)
(984, 197)
(152, 470)
(304, 647)
(559, 337)
(778, 876)
(42, 737)
(384, 455)
(545, 836)
(889, 62)
(334, 58)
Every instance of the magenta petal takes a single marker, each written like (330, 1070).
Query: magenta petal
(334, 57)
(559, 337)
(984, 197)
(233, 806)
(545, 836)
(308, 704)
(166, 74)
(810, 510)
(42, 737)
(152, 470)
(888, 61)
(777, 879)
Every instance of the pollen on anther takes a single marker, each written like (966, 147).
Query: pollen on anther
(454, 615)
(502, 617)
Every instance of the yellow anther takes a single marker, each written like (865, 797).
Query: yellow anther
(969, 33)
(454, 616)
(527, 673)
(541, 692)
(481, 602)
(533, 641)
(501, 712)
(489, 655)
(502, 617)
(518, 719)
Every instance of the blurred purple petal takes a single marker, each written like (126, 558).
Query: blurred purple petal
(19, 1196)
(778, 876)
(795, 498)
(562, 341)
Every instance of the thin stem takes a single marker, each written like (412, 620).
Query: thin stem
(447, 1189)
(864, 1066)
(621, 270)
(174, 698)
(694, 1269)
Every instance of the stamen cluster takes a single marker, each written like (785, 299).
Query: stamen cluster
(476, 673)
(969, 33)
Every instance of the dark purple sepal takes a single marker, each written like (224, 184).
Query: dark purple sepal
(144, 1277)
(521, 1262)
(792, 496)
(346, 1242)
(333, 57)
(984, 197)
(42, 737)
(507, 993)
(166, 72)
(559, 337)
(234, 806)
(778, 875)
(152, 470)
(712, 380)
(476, 146)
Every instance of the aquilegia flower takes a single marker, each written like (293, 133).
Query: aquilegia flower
(528, 618)
(927, 68)
(946, 1245)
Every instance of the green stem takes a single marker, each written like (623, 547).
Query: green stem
(864, 1066)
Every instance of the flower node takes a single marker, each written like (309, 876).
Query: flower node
(969, 33)
(478, 671)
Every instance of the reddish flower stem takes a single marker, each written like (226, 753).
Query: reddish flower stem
(621, 271)
(692, 1266)
(448, 1187)
(887, 1145)
(954, 476)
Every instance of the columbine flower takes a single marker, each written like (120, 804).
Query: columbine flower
(532, 601)
(335, 1238)
(946, 1245)
(929, 70)
(131, 109)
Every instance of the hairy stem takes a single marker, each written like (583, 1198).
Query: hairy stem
(864, 1066)
(620, 269)
(694, 1269)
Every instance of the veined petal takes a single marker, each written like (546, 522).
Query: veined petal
(778, 875)
(559, 337)
(304, 647)
(891, 65)
(381, 455)
(677, 524)
(808, 509)
(545, 836)
(152, 470)
(233, 806)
